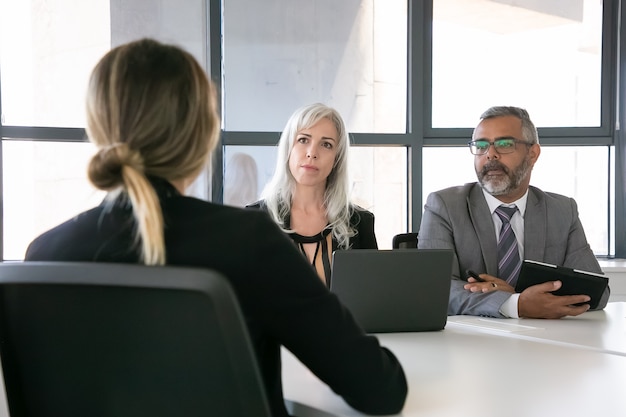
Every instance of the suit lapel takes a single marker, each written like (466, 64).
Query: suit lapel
(535, 226)
(485, 230)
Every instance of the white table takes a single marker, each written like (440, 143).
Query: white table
(470, 371)
(603, 330)
(615, 269)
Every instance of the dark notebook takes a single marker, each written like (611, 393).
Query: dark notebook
(575, 282)
(394, 290)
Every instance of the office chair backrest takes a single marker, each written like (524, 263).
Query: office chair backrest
(404, 241)
(92, 339)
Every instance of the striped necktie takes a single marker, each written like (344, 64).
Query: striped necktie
(509, 262)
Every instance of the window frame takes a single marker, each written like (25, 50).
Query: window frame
(419, 132)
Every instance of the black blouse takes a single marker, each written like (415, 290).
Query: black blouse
(361, 220)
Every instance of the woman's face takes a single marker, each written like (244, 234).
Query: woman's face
(313, 154)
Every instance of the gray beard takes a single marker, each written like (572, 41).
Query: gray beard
(502, 186)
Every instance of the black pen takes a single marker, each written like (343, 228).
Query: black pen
(474, 275)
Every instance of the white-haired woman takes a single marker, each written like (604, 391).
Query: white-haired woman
(309, 194)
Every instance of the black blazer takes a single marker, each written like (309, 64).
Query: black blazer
(283, 300)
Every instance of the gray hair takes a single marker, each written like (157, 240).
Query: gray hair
(528, 127)
(279, 191)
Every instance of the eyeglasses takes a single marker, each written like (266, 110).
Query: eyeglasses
(502, 145)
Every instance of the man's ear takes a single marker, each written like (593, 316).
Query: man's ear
(534, 152)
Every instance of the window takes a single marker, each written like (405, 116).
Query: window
(284, 54)
(559, 59)
(45, 183)
(47, 51)
(544, 56)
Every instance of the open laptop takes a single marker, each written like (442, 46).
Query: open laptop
(394, 290)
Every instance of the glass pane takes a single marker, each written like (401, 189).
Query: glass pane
(283, 54)
(49, 47)
(577, 172)
(45, 183)
(47, 50)
(378, 178)
(541, 55)
(583, 174)
(246, 171)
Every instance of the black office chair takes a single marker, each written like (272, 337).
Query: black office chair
(112, 340)
(404, 241)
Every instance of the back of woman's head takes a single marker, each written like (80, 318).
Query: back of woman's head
(155, 100)
(151, 111)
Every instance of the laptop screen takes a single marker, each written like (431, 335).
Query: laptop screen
(394, 290)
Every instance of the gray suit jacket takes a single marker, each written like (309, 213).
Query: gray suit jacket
(458, 218)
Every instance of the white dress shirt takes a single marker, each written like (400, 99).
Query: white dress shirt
(509, 308)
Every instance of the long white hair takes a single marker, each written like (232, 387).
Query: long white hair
(279, 191)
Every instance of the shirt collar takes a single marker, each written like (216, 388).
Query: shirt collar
(494, 203)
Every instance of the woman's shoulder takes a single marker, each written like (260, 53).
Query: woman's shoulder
(360, 216)
(223, 211)
(359, 211)
(60, 240)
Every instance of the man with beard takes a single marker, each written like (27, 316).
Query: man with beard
(535, 225)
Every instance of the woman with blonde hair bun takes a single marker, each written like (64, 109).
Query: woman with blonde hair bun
(151, 112)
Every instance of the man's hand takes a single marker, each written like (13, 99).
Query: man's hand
(489, 284)
(537, 302)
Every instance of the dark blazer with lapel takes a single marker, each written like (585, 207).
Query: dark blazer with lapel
(458, 218)
(283, 300)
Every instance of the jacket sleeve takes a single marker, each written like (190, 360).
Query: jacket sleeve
(310, 321)
(437, 231)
